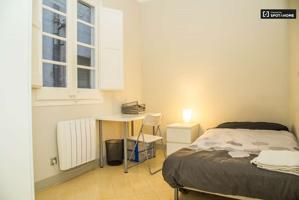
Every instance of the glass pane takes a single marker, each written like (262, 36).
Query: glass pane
(85, 34)
(54, 23)
(59, 5)
(54, 75)
(85, 56)
(54, 49)
(86, 78)
(85, 12)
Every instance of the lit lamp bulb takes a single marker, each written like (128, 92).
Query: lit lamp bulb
(187, 115)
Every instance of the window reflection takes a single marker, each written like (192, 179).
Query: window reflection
(54, 75)
(59, 5)
(85, 34)
(85, 12)
(54, 49)
(86, 78)
(85, 56)
(54, 23)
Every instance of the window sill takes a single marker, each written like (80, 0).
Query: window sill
(41, 103)
(65, 97)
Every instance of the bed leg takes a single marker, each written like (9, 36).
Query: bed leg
(176, 194)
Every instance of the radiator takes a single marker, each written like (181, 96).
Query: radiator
(76, 140)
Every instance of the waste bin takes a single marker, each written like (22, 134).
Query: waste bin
(114, 152)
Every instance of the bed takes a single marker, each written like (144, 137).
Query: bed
(217, 162)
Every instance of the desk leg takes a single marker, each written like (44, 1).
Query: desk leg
(126, 131)
(132, 128)
(101, 143)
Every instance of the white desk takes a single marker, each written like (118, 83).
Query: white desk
(126, 119)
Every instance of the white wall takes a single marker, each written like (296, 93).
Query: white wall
(16, 171)
(294, 68)
(216, 57)
(45, 118)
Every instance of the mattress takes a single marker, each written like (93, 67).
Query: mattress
(217, 172)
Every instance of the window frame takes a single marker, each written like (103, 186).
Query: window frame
(53, 36)
(70, 94)
(94, 47)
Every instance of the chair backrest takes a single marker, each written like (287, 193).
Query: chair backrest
(152, 119)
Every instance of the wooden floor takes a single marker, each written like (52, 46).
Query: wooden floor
(110, 183)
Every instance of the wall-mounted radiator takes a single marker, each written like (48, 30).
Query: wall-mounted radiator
(76, 141)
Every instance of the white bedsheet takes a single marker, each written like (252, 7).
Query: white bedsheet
(243, 142)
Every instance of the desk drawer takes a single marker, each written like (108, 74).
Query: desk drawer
(182, 135)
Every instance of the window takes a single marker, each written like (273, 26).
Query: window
(54, 45)
(68, 64)
(85, 46)
(66, 52)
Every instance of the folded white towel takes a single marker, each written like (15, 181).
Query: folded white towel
(280, 161)
(278, 158)
(238, 154)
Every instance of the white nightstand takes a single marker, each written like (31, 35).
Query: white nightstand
(180, 135)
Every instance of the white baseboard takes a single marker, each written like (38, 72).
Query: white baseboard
(65, 175)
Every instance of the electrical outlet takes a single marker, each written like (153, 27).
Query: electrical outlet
(53, 161)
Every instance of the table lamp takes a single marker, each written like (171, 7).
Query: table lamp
(187, 115)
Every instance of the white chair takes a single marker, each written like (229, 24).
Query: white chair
(154, 121)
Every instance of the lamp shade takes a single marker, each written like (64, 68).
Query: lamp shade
(187, 115)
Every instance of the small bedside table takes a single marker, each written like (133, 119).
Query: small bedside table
(180, 135)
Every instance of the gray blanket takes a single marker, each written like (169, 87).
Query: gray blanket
(217, 172)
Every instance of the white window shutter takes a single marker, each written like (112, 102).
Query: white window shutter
(111, 69)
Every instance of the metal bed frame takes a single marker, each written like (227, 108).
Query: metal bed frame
(177, 191)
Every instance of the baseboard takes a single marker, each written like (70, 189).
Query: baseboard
(65, 176)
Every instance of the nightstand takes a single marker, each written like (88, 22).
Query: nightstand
(180, 135)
